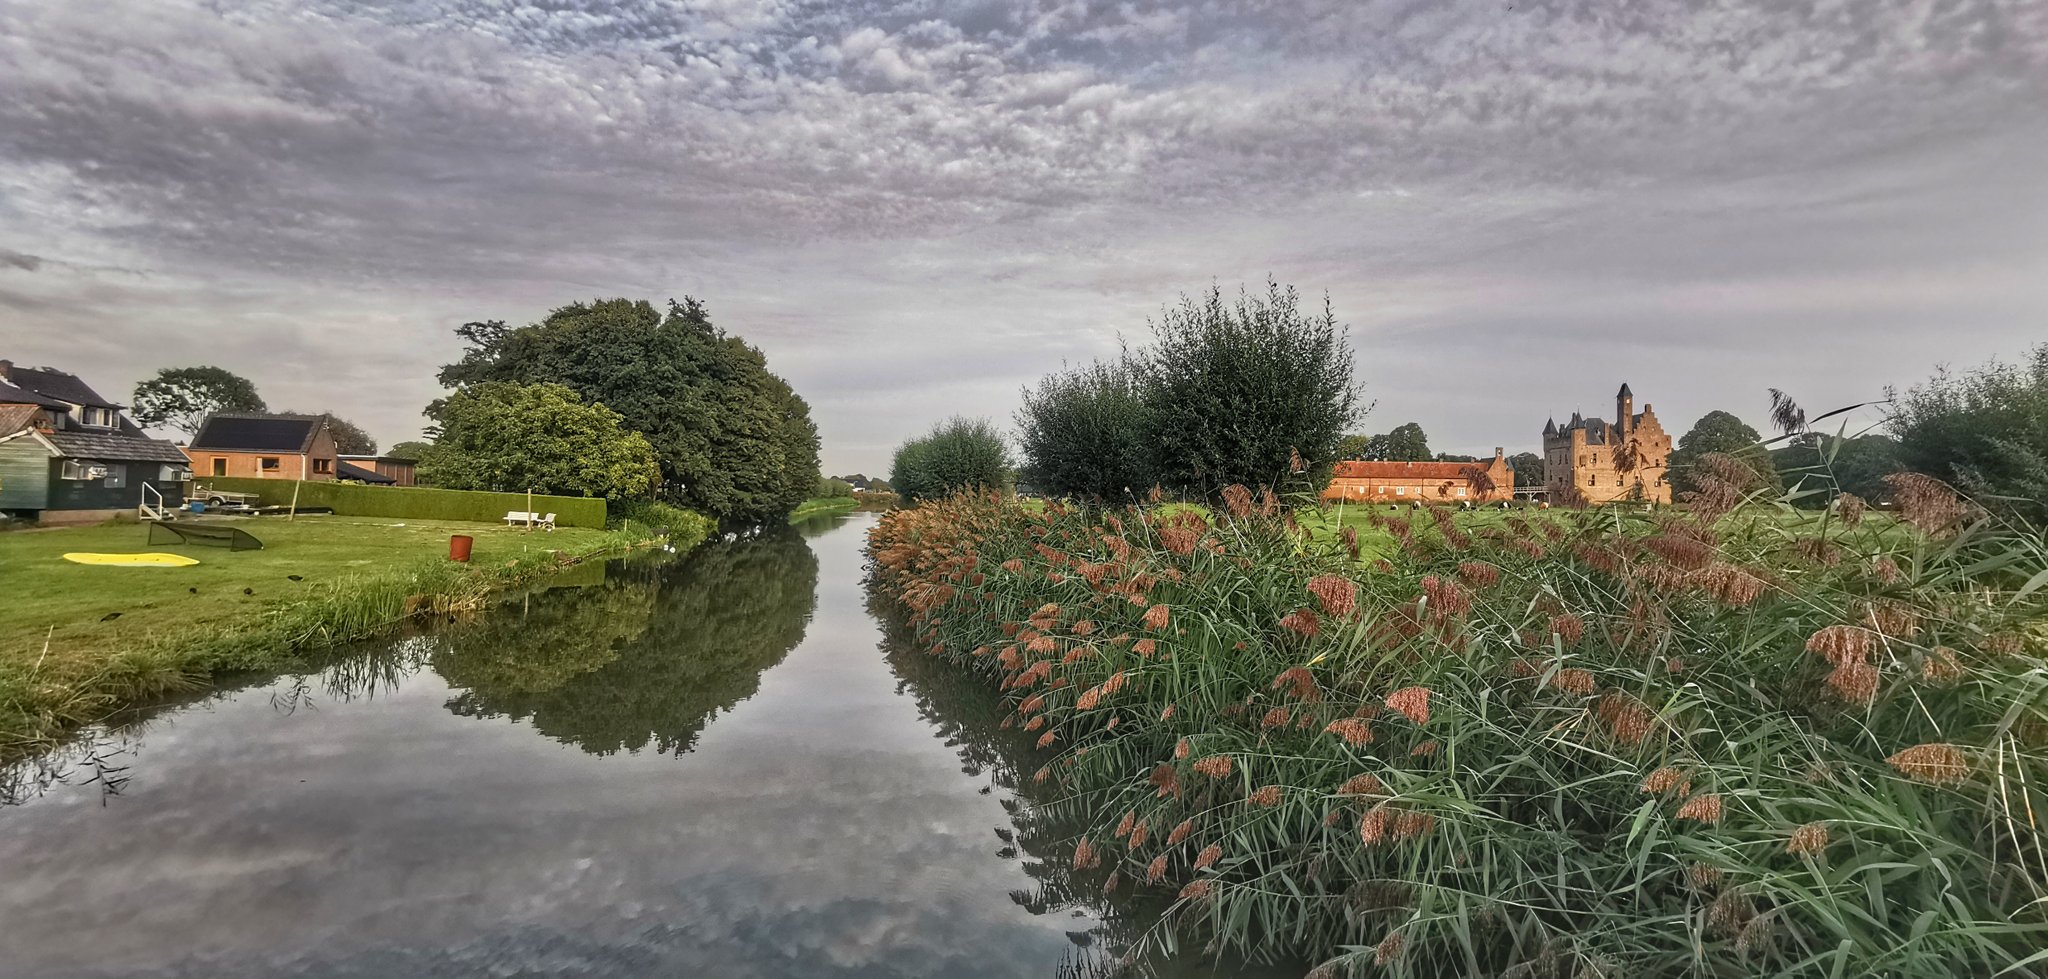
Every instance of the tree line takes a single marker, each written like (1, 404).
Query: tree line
(611, 398)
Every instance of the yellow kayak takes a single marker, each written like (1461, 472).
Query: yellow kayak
(153, 560)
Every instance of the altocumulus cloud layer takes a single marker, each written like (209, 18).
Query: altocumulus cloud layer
(917, 206)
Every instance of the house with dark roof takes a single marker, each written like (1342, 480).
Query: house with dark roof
(264, 446)
(68, 455)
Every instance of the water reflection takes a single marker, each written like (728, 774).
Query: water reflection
(699, 768)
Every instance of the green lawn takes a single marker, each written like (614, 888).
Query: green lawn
(76, 639)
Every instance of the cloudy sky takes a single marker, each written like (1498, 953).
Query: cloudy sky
(916, 206)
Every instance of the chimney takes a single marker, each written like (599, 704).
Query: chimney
(5, 367)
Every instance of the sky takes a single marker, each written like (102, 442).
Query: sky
(916, 207)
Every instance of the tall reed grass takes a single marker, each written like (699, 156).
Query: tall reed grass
(1703, 743)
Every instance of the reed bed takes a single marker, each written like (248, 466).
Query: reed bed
(1669, 743)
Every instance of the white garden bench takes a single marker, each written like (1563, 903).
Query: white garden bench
(546, 520)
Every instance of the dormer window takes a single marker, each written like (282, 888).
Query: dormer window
(99, 417)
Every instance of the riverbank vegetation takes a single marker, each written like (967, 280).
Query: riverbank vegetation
(79, 641)
(1579, 743)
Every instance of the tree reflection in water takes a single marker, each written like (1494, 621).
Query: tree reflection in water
(649, 657)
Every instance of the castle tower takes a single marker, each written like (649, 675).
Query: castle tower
(1624, 410)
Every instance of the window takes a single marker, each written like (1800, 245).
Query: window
(83, 469)
(323, 465)
(220, 466)
(117, 477)
(268, 464)
(173, 474)
(1461, 491)
(1400, 491)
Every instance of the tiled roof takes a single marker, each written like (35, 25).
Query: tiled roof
(98, 445)
(1366, 469)
(57, 384)
(239, 432)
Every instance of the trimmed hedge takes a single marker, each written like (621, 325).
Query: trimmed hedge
(416, 502)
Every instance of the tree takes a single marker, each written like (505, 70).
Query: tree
(180, 398)
(1528, 467)
(1455, 457)
(1985, 431)
(415, 451)
(1719, 431)
(540, 437)
(832, 489)
(1237, 392)
(732, 439)
(349, 438)
(1834, 464)
(1406, 443)
(1082, 433)
(960, 454)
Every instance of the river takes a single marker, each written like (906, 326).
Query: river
(712, 766)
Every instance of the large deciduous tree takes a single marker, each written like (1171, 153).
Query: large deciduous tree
(1723, 433)
(733, 440)
(541, 437)
(958, 455)
(1236, 391)
(180, 398)
(1406, 443)
(1984, 430)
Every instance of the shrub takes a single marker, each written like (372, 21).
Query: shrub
(1235, 393)
(685, 528)
(1241, 392)
(1985, 430)
(1586, 744)
(961, 454)
(416, 502)
(829, 488)
(512, 437)
(1083, 433)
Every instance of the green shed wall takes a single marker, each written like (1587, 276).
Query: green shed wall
(24, 475)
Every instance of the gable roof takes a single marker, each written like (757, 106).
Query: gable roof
(59, 385)
(103, 445)
(252, 432)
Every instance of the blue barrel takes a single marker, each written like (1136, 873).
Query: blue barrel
(196, 506)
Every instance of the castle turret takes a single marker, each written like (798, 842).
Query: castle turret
(1550, 429)
(1624, 409)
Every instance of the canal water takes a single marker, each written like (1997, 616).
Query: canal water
(716, 766)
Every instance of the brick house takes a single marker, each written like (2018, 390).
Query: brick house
(1593, 461)
(69, 455)
(264, 446)
(1369, 481)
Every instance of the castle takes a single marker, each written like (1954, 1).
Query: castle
(1592, 461)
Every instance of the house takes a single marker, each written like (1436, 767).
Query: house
(264, 446)
(1593, 461)
(1363, 481)
(68, 455)
(375, 470)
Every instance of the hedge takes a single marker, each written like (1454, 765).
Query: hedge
(415, 502)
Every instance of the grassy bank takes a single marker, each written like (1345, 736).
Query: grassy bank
(822, 506)
(79, 641)
(1576, 745)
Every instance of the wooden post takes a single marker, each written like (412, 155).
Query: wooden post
(294, 515)
(529, 509)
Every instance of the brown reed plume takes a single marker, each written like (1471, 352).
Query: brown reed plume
(1411, 702)
(1936, 764)
(1810, 838)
